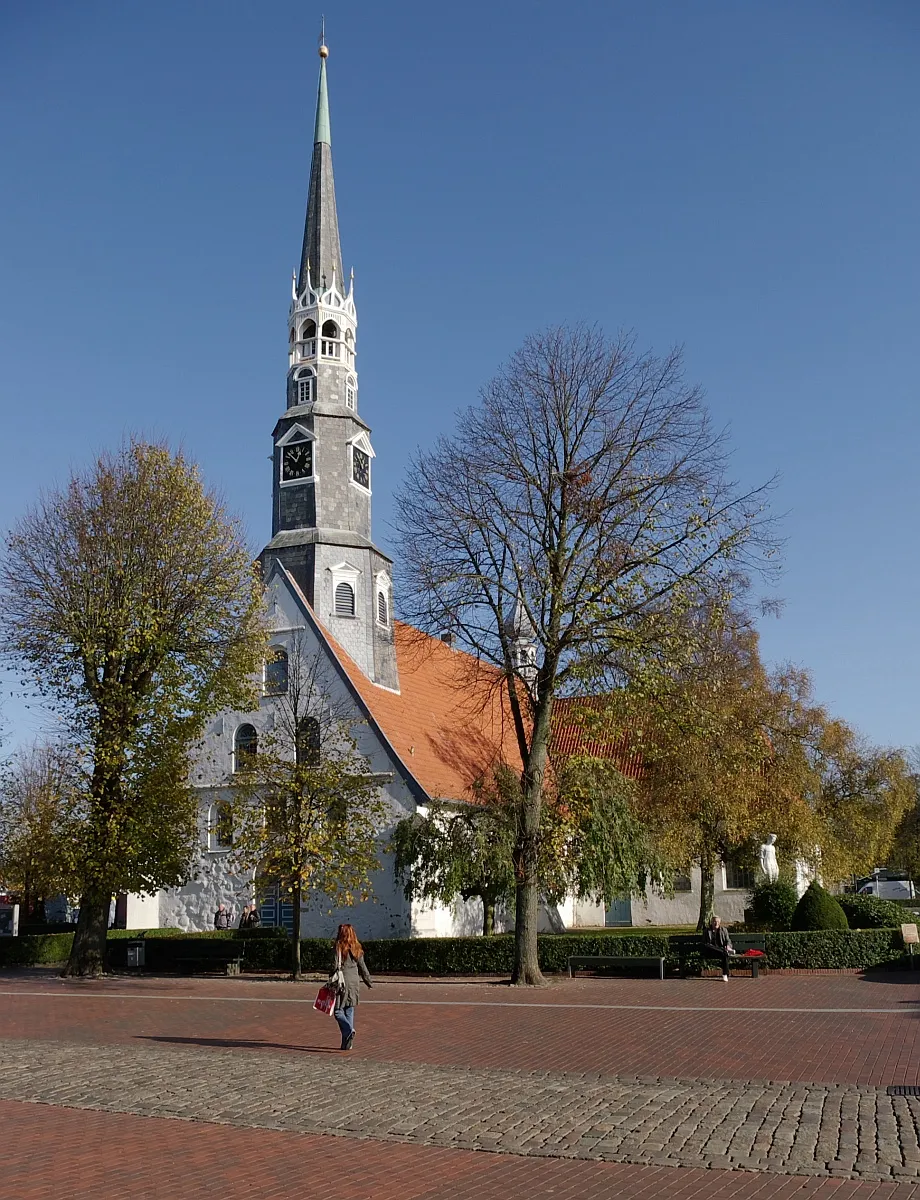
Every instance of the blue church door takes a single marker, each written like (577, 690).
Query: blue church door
(619, 913)
(274, 909)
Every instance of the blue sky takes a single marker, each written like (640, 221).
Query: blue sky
(740, 178)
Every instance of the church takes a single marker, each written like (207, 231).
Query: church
(330, 589)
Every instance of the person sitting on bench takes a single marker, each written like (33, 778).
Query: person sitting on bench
(716, 944)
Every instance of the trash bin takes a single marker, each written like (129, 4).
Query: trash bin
(135, 952)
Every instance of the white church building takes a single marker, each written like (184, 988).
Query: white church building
(330, 588)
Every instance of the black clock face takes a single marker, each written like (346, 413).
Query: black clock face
(297, 461)
(361, 467)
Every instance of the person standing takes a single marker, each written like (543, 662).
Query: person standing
(717, 944)
(351, 970)
(222, 917)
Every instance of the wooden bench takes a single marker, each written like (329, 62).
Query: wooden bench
(210, 956)
(595, 960)
(740, 941)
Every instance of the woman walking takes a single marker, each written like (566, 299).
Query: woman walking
(350, 968)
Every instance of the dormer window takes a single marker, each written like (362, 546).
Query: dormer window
(351, 392)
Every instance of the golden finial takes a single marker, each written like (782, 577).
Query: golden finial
(323, 48)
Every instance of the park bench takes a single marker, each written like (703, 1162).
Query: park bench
(600, 960)
(691, 948)
(209, 956)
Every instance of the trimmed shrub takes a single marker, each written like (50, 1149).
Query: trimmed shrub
(772, 904)
(832, 948)
(818, 910)
(869, 912)
(29, 949)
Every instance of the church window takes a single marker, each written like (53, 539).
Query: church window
(350, 392)
(308, 742)
(220, 827)
(276, 672)
(738, 875)
(305, 388)
(245, 747)
(360, 467)
(292, 335)
(382, 608)
(344, 600)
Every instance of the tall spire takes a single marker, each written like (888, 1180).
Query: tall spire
(322, 252)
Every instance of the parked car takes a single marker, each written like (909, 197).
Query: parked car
(889, 889)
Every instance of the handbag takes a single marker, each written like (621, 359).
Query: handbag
(337, 978)
(325, 1000)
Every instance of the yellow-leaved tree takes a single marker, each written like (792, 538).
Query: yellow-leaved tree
(130, 603)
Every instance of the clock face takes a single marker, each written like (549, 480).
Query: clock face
(297, 461)
(361, 467)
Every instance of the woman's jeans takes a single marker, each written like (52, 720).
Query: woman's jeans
(346, 1020)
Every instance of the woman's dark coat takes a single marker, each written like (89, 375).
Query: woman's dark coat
(354, 970)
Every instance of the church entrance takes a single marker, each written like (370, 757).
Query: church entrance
(275, 907)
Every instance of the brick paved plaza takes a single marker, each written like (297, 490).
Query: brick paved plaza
(164, 1087)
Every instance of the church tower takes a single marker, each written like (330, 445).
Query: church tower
(323, 458)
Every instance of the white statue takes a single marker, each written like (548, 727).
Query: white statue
(769, 867)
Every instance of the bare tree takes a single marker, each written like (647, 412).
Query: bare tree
(307, 809)
(132, 605)
(583, 495)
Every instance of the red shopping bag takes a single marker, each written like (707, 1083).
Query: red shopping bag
(325, 1000)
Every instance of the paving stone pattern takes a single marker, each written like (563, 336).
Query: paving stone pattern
(796, 1129)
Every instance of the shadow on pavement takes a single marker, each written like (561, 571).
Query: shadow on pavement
(236, 1044)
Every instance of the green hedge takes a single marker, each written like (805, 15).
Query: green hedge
(814, 949)
(869, 912)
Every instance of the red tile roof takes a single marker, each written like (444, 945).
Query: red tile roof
(570, 737)
(450, 721)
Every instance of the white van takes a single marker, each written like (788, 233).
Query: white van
(889, 889)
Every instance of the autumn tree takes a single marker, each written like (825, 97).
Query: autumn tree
(710, 782)
(592, 844)
(306, 808)
(588, 488)
(38, 802)
(131, 605)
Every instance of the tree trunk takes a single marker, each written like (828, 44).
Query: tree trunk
(526, 971)
(295, 948)
(707, 889)
(87, 954)
(488, 916)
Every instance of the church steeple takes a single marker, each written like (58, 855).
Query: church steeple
(323, 457)
(321, 256)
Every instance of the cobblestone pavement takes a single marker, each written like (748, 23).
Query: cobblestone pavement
(858, 1132)
(50, 1152)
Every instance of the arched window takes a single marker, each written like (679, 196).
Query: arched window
(220, 827)
(344, 600)
(308, 742)
(350, 392)
(308, 331)
(305, 387)
(245, 746)
(382, 608)
(331, 347)
(276, 672)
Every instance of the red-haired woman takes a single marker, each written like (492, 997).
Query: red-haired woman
(349, 959)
